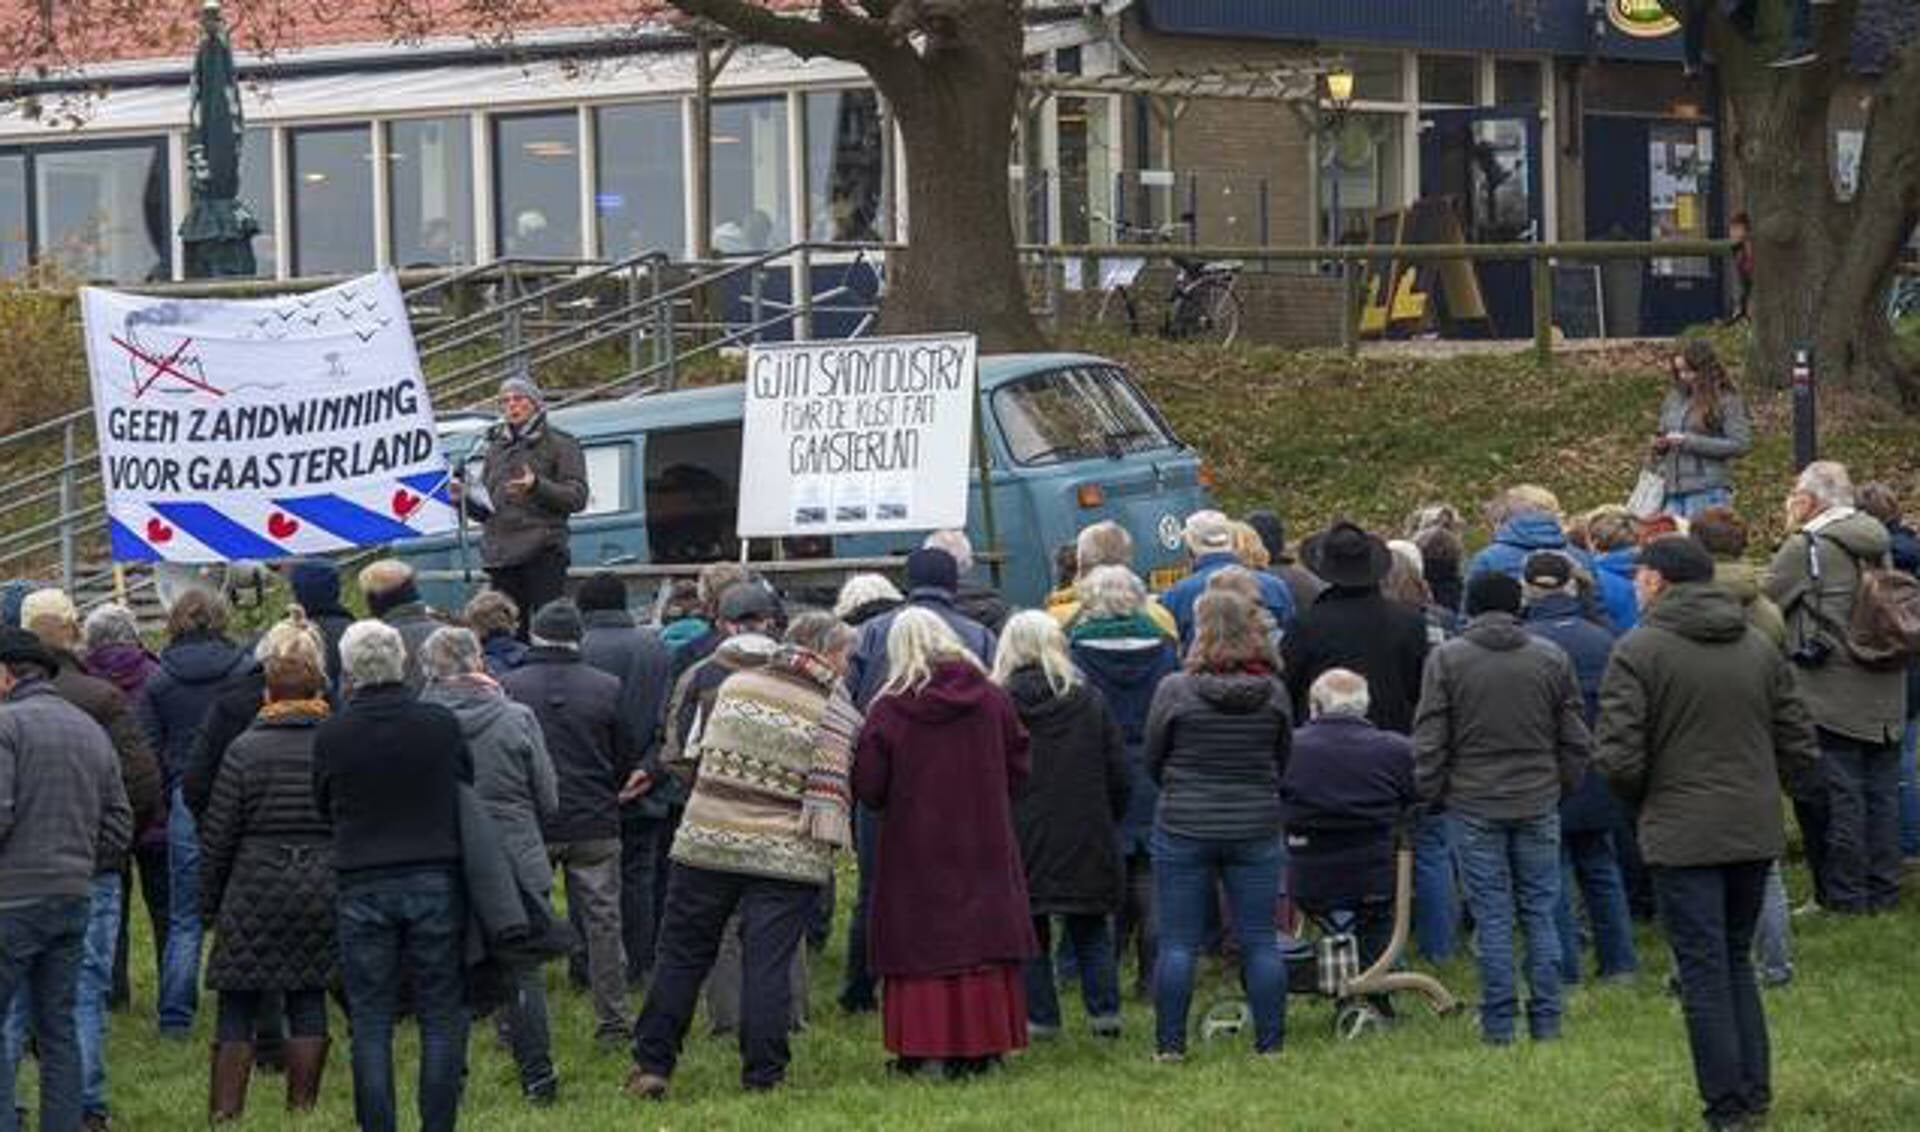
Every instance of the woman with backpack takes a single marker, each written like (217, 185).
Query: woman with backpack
(1704, 427)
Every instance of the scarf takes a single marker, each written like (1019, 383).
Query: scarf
(826, 807)
(1134, 625)
(471, 682)
(294, 711)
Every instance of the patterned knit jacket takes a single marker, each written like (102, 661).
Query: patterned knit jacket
(770, 729)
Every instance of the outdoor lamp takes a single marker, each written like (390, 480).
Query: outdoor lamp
(1340, 86)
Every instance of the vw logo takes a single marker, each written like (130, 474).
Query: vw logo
(1169, 531)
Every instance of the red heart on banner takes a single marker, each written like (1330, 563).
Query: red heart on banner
(158, 531)
(405, 502)
(281, 526)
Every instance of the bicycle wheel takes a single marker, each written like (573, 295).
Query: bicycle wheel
(1115, 313)
(1209, 312)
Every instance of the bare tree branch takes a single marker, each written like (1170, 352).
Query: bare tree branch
(806, 38)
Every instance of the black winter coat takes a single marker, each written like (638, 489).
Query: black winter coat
(593, 745)
(233, 710)
(266, 870)
(1068, 816)
(1364, 632)
(1217, 744)
(643, 664)
(175, 700)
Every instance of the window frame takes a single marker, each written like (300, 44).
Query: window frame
(160, 143)
(291, 199)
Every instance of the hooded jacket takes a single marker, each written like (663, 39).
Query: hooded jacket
(1127, 671)
(592, 743)
(867, 670)
(512, 773)
(1613, 573)
(175, 700)
(1498, 735)
(316, 586)
(1742, 580)
(940, 767)
(1842, 697)
(1700, 722)
(1701, 461)
(1525, 534)
(1560, 618)
(1069, 814)
(520, 526)
(1217, 745)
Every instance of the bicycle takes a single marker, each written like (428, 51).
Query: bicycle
(1204, 303)
(1903, 298)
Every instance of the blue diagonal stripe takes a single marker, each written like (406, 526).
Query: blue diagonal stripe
(430, 483)
(350, 521)
(127, 546)
(218, 533)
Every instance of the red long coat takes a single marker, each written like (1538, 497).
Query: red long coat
(941, 767)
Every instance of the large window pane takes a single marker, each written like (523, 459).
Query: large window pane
(537, 163)
(1360, 176)
(1448, 80)
(13, 213)
(257, 193)
(846, 166)
(1087, 154)
(750, 175)
(101, 213)
(430, 189)
(1516, 82)
(1378, 76)
(640, 191)
(332, 172)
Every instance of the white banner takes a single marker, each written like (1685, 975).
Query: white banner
(262, 428)
(868, 434)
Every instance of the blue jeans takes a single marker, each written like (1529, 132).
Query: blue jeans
(858, 992)
(1709, 914)
(40, 946)
(1863, 826)
(180, 962)
(1436, 895)
(408, 925)
(1187, 873)
(1512, 872)
(89, 1001)
(1089, 939)
(1909, 792)
(1773, 935)
(1687, 504)
(1588, 865)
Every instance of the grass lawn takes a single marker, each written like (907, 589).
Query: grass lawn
(1844, 1037)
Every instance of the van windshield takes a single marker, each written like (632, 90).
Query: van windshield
(1076, 413)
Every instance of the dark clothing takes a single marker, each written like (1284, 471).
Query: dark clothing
(591, 743)
(1217, 746)
(983, 604)
(231, 713)
(1499, 734)
(266, 864)
(175, 700)
(1347, 784)
(867, 669)
(941, 766)
(1842, 696)
(1860, 868)
(1364, 632)
(40, 952)
(1126, 671)
(385, 772)
(1303, 585)
(1561, 619)
(139, 770)
(1089, 940)
(1699, 724)
(533, 583)
(305, 1012)
(504, 652)
(62, 805)
(520, 525)
(1076, 794)
(316, 587)
(1709, 913)
(643, 664)
(415, 623)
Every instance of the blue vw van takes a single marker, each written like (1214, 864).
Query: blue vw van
(1070, 439)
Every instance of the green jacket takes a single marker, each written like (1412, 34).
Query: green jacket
(525, 524)
(1700, 723)
(1742, 580)
(1843, 697)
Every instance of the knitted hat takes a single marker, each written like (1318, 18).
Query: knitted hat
(1548, 570)
(602, 591)
(17, 646)
(522, 385)
(50, 603)
(932, 568)
(1678, 559)
(559, 622)
(1493, 593)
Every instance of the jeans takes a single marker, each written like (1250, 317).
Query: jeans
(592, 871)
(1588, 864)
(1091, 938)
(1436, 893)
(238, 1020)
(40, 955)
(528, 1035)
(642, 842)
(1687, 504)
(180, 969)
(91, 989)
(1773, 936)
(1811, 812)
(408, 925)
(858, 992)
(1513, 866)
(1709, 915)
(773, 919)
(1863, 830)
(1188, 872)
(1909, 791)
(1137, 923)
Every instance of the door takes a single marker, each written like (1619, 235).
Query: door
(1649, 179)
(1488, 162)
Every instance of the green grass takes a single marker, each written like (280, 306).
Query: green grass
(1843, 1036)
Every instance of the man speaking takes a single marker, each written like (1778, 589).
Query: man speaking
(534, 476)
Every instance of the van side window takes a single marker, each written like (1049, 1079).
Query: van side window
(693, 481)
(607, 491)
(1076, 413)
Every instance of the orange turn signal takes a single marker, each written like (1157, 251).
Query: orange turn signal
(1206, 477)
(1090, 495)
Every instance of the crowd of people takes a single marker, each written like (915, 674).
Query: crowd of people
(1594, 720)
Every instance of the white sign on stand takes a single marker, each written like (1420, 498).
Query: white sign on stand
(861, 435)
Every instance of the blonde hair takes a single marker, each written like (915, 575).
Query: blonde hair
(864, 589)
(1522, 499)
(916, 642)
(293, 638)
(1229, 633)
(1034, 638)
(1250, 548)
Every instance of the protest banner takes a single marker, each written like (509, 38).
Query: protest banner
(869, 434)
(262, 428)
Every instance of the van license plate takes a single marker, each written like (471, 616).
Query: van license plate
(1165, 577)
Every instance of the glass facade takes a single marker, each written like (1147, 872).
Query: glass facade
(846, 166)
(13, 213)
(536, 163)
(1449, 80)
(102, 212)
(749, 186)
(640, 179)
(256, 192)
(430, 191)
(332, 172)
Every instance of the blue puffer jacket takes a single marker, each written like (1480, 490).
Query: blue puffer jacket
(1127, 670)
(1524, 534)
(175, 701)
(1560, 619)
(1613, 572)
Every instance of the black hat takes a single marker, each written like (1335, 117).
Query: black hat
(747, 601)
(1348, 556)
(1548, 570)
(1678, 559)
(1493, 593)
(602, 591)
(931, 567)
(559, 621)
(1272, 532)
(17, 646)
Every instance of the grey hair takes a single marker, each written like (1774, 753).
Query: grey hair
(1828, 482)
(111, 624)
(451, 651)
(372, 652)
(822, 634)
(1105, 543)
(955, 543)
(1339, 693)
(864, 589)
(1111, 591)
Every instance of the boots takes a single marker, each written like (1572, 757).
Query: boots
(306, 1061)
(232, 1066)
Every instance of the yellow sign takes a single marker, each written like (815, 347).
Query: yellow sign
(1642, 19)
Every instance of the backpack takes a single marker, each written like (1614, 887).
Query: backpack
(1884, 632)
